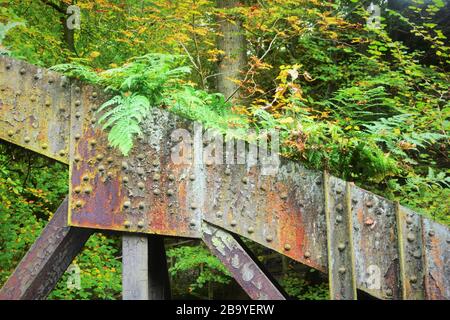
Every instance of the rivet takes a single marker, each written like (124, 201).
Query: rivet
(170, 192)
(342, 270)
(77, 136)
(94, 94)
(233, 223)
(8, 66)
(109, 174)
(431, 233)
(101, 168)
(338, 218)
(263, 187)
(51, 80)
(369, 204)
(307, 254)
(124, 165)
(125, 179)
(156, 177)
(284, 196)
(127, 224)
(88, 190)
(417, 254)
(109, 160)
(10, 133)
(32, 99)
(36, 76)
(48, 103)
(341, 246)
(339, 207)
(192, 177)
(409, 220)
(77, 190)
(140, 224)
(78, 204)
(141, 185)
(338, 191)
(93, 142)
(140, 172)
(413, 279)
(141, 205)
(85, 178)
(156, 191)
(193, 206)
(250, 230)
(192, 223)
(228, 171)
(171, 177)
(93, 120)
(245, 180)
(22, 71)
(126, 204)
(287, 247)
(77, 115)
(27, 139)
(77, 158)
(411, 237)
(389, 292)
(155, 163)
(62, 153)
(141, 156)
(99, 157)
(269, 238)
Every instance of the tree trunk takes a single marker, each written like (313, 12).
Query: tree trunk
(232, 42)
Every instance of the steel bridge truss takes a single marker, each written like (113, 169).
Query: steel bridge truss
(361, 240)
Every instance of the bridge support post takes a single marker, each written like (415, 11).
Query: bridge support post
(144, 268)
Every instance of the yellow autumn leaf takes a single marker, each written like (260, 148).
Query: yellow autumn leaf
(286, 120)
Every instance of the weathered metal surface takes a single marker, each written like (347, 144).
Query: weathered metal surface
(436, 238)
(341, 270)
(375, 244)
(34, 108)
(284, 212)
(144, 192)
(241, 265)
(410, 244)
(47, 260)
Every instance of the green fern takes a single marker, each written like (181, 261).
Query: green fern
(123, 119)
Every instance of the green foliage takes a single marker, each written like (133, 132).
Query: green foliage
(149, 81)
(124, 119)
(197, 260)
(298, 288)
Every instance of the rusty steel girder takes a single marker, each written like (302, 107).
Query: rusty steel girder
(34, 108)
(362, 240)
(247, 272)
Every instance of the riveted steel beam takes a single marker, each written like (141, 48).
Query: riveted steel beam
(34, 108)
(410, 246)
(47, 260)
(375, 244)
(436, 240)
(341, 270)
(245, 270)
